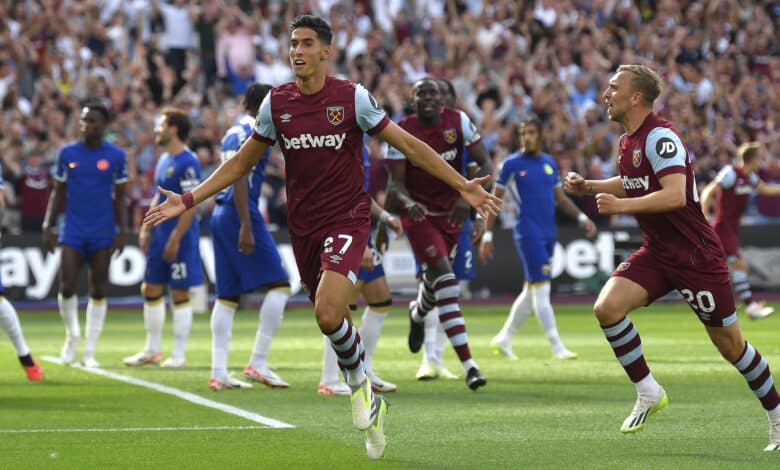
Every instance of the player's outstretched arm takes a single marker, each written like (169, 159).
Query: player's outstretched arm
(227, 174)
(419, 153)
(56, 199)
(768, 189)
(576, 185)
(708, 196)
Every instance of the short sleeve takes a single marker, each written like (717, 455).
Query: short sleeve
(120, 176)
(229, 147)
(370, 116)
(556, 174)
(264, 124)
(664, 149)
(726, 177)
(61, 168)
(469, 131)
(504, 172)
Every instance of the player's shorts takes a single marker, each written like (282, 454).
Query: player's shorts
(536, 255)
(432, 238)
(337, 248)
(182, 273)
(238, 273)
(705, 286)
(463, 264)
(730, 241)
(86, 247)
(379, 271)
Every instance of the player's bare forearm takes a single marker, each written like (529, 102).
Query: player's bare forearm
(241, 196)
(768, 189)
(480, 155)
(55, 202)
(565, 204)
(708, 195)
(669, 198)
(230, 171)
(612, 186)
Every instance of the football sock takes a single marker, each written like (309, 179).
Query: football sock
(426, 300)
(69, 311)
(345, 340)
(271, 314)
(429, 344)
(447, 290)
(518, 314)
(27, 360)
(330, 363)
(154, 318)
(9, 322)
(182, 322)
(540, 295)
(774, 414)
(441, 343)
(96, 316)
(756, 371)
(370, 328)
(221, 332)
(627, 346)
(739, 280)
(647, 386)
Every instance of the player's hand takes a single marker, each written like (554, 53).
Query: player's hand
(481, 200)
(590, 228)
(458, 213)
(417, 211)
(246, 240)
(382, 240)
(172, 207)
(118, 246)
(574, 184)
(608, 203)
(394, 224)
(171, 250)
(367, 261)
(485, 251)
(477, 230)
(49, 239)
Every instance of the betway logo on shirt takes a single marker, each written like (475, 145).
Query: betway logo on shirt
(308, 141)
(636, 183)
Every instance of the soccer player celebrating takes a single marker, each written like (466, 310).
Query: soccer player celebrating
(432, 214)
(319, 121)
(680, 250)
(9, 320)
(90, 177)
(731, 190)
(172, 250)
(245, 259)
(532, 177)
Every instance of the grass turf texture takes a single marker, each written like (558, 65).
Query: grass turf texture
(534, 413)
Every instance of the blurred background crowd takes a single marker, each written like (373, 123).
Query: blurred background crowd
(508, 60)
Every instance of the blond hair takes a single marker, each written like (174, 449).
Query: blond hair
(748, 151)
(644, 80)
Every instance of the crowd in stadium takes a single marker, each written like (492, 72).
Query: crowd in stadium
(508, 60)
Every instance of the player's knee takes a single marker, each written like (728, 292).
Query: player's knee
(381, 306)
(329, 313)
(67, 292)
(608, 311)
(730, 347)
(230, 299)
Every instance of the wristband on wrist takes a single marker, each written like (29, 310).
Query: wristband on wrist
(487, 237)
(188, 200)
(582, 218)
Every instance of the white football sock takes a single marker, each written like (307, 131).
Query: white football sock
(154, 318)
(182, 323)
(441, 343)
(370, 328)
(221, 331)
(429, 344)
(330, 363)
(647, 386)
(69, 311)
(271, 314)
(96, 316)
(9, 322)
(518, 314)
(540, 294)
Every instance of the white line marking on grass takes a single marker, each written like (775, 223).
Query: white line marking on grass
(191, 397)
(184, 428)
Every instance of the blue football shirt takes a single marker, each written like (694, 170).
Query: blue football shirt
(179, 173)
(234, 138)
(90, 175)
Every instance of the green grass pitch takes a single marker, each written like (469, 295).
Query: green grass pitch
(534, 413)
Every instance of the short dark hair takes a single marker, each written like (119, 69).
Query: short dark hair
(320, 26)
(532, 121)
(254, 96)
(180, 119)
(95, 105)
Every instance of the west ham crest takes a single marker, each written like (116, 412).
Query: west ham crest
(335, 114)
(636, 159)
(450, 135)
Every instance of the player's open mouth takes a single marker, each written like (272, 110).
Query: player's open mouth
(299, 63)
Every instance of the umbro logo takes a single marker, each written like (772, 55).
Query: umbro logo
(285, 117)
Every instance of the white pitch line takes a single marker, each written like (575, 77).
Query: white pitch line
(191, 397)
(183, 428)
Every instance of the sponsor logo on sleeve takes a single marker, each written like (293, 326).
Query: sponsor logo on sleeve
(665, 147)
